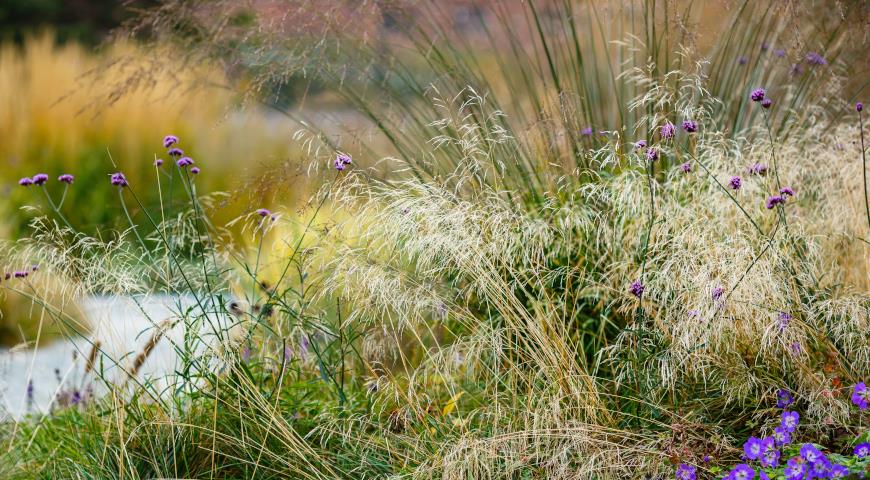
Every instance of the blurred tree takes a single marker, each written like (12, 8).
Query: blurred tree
(86, 21)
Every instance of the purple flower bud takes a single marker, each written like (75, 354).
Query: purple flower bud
(652, 154)
(786, 192)
(175, 152)
(742, 60)
(25, 182)
(690, 126)
(586, 131)
(735, 183)
(779, 53)
(814, 58)
(118, 180)
(639, 144)
(686, 167)
(194, 170)
(184, 161)
(773, 201)
(668, 130)
(20, 274)
(757, 95)
(40, 179)
(636, 288)
(169, 141)
(34, 267)
(859, 106)
(765, 46)
(158, 162)
(263, 212)
(766, 103)
(66, 178)
(757, 169)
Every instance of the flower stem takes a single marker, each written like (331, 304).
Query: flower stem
(864, 166)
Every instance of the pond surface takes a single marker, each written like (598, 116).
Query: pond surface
(133, 340)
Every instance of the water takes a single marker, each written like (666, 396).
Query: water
(122, 328)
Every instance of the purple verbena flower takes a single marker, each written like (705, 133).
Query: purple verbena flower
(25, 182)
(742, 60)
(862, 450)
(66, 178)
(859, 106)
(814, 58)
(175, 152)
(40, 179)
(184, 161)
(861, 396)
(118, 180)
(690, 126)
(686, 167)
(195, 170)
(784, 398)
(668, 130)
(652, 154)
(735, 183)
(765, 46)
(586, 131)
(20, 274)
(344, 159)
(757, 169)
(786, 192)
(717, 293)
(263, 212)
(773, 201)
(766, 103)
(796, 69)
(790, 421)
(169, 141)
(636, 288)
(686, 472)
(779, 52)
(639, 144)
(757, 95)
(158, 162)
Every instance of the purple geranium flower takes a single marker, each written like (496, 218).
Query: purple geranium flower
(790, 421)
(742, 472)
(686, 472)
(735, 183)
(118, 180)
(769, 456)
(839, 471)
(773, 201)
(781, 435)
(753, 448)
(690, 126)
(169, 141)
(861, 395)
(862, 450)
(757, 95)
(668, 130)
(66, 178)
(636, 288)
(40, 179)
(795, 469)
(810, 453)
(652, 154)
(784, 398)
(25, 182)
